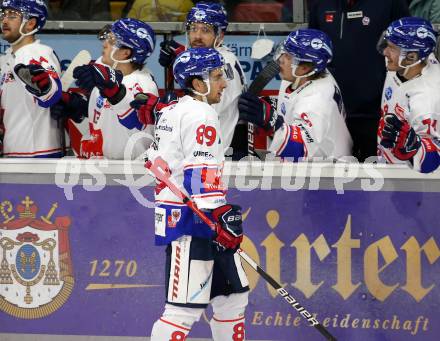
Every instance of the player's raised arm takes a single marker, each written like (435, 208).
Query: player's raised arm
(410, 103)
(34, 84)
(114, 82)
(308, 118)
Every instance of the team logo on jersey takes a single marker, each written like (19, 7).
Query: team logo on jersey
(7, 78)
(388, 93)
(100, 102)
(35, 263)
(174, 217)
(283, 108)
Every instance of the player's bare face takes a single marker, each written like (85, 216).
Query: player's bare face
(201, 35)
(217, 85)
(107, 48)
(285, 62)
(11, 21)
(392, 54)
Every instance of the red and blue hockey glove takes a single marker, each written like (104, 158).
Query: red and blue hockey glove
(259, 111)
(398, 136)
(36, 78)
(106, 79)
(73, 105)
(229, 229)
(148, 105)
(169, 50)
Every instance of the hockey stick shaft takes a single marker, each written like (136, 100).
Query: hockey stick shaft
(169, 77)
(257, 85)
(160, 170)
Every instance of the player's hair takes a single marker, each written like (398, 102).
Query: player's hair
(189, 86)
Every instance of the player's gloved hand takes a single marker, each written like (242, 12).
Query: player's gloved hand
(169, 49)
(229, 229)
(400, 137)
(259, 111)
(148, 105)
(36, 78)
(73, 105)
(106, 79)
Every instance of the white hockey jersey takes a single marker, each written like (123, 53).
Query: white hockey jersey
(228, 107)
(187, 137)
(113, 127)
(29, 129)
(314, 121)
(417, 101)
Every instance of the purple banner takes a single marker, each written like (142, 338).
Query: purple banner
(365, 262)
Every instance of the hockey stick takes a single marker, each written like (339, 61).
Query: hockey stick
(264, 77)
(160, 170)
(169, 77)
(258, 84)
(76, 130)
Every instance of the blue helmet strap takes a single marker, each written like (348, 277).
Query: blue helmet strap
(117, 61)
(205, 78)
(295, 64)
(404, 56)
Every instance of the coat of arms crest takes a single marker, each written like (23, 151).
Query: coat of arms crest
(36, 276)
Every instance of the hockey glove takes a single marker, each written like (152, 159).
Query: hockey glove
(229, 230)
(148, 105)
(106, 79)
(259, 111)
(169, 50)
(73, 105)
(398, 136)
(36, 78)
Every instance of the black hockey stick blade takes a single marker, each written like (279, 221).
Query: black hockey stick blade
(264, 77)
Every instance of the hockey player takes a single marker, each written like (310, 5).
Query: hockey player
(410, 100)
(201, 266)
(29, 83)
(114, 82)
(206, 25)
(308, 120)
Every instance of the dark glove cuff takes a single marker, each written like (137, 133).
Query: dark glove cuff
(119, 95)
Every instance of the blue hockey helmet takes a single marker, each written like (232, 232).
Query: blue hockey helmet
(412, 34)
(196, 62)
(29, 9)
(309, 45)
(136, 35)
(210, 13)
